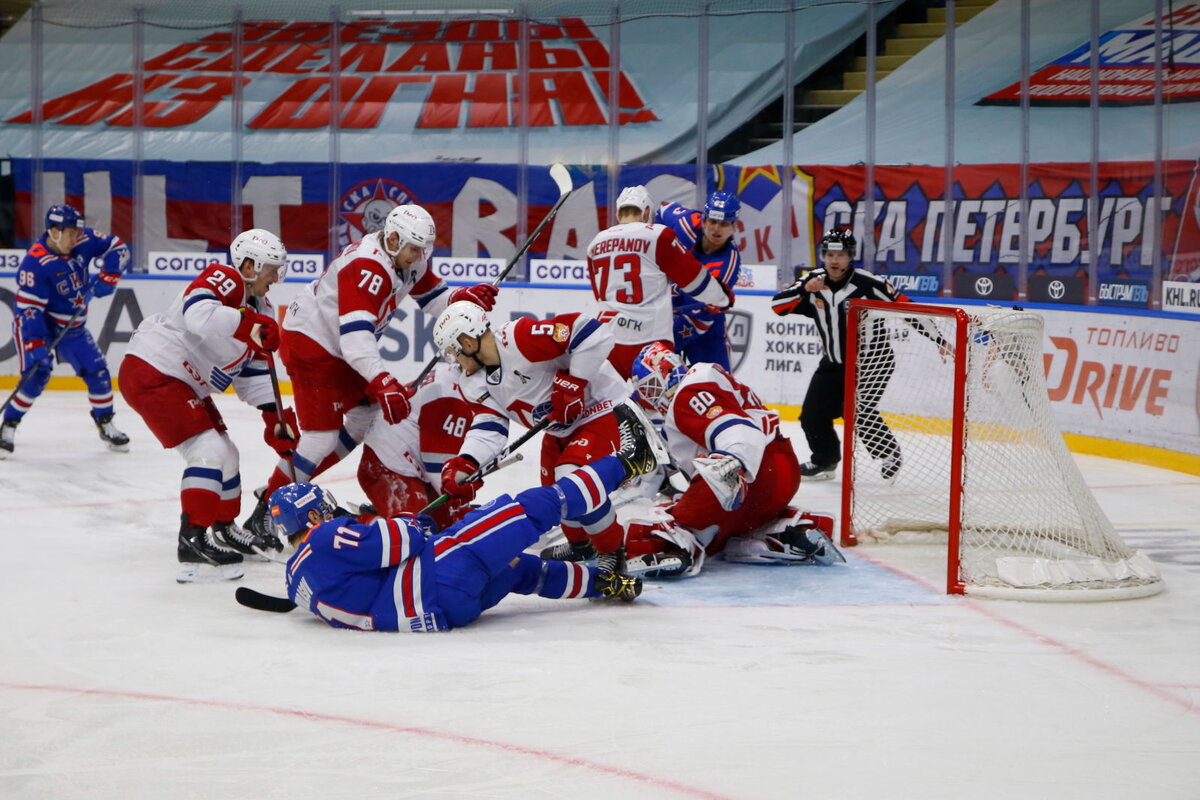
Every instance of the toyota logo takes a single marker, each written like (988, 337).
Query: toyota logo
(984, 286)
(1056, 289)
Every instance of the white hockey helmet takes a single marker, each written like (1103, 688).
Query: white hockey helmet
(413, 225)
(458, 318)
(634, 197)
(262, 247)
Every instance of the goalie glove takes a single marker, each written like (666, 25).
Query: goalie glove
(725, 476)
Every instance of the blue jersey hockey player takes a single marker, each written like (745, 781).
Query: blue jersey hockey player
(54, 287)
(700, 329)
(400, 574)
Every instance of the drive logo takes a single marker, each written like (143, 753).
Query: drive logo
(1104, 386)
(364, 208)
(1126, 56)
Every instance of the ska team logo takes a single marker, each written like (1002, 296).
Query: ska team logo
(363, 209)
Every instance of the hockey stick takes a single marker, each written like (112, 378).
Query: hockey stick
(498, 462)
(562, 179)
(279, 410)
(87, 292)
(263, 602)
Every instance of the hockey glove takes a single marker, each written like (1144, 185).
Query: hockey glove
(280, 434)
(481, 294)
(458, 469)
(725, 475)
(566, 397)
(391, 395)
(37, 356)
(258, 330)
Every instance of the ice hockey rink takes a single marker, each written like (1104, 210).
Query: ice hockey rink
(859, 681)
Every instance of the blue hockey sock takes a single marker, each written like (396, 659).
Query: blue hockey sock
(563, 579)
(587, 488)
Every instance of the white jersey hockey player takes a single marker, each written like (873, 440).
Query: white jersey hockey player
(743, 472)
(531, 371)
(331, 347)
(633, 267)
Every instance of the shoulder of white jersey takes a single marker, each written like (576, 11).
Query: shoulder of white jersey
(703, 372)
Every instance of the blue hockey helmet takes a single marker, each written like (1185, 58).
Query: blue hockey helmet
(657, 372)
(290, 505)
(723, 206)
(62, 215)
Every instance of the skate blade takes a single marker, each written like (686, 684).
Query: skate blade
(208, 573)
(117, 448)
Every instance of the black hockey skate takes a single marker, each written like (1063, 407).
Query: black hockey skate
(570, 551)
(612, 562)
(201, 559)
(818, 472)
(615, 586)
(259, 522)
(8, 436)
(110, 434)
(639, 452)
(232, 536)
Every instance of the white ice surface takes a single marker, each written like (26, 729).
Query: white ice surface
(863, 681)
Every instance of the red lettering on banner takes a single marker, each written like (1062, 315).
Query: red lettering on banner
(627, 97)
(302, 59)
(305, 104)
(488, 55)
(761, 246)
(488, 102)
(480, 56)
(1126, 385)
(542, 57)
(367, 108)
(184, 107)
(575, 99)
(428, 57)
(363, 58)
(182, 58)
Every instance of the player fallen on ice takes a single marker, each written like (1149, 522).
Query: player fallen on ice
(400, 573)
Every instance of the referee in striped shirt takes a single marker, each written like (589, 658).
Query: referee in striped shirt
(823, 295)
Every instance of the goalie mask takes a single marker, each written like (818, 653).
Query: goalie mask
(656, 375)
(839, 240)
(413, 225)
(459, 318)
(290, 506)
(260, 246)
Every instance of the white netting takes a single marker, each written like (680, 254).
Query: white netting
(1030, 527)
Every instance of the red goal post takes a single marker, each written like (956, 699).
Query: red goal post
(949, 431)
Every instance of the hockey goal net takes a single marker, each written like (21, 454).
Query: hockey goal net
(948, 428)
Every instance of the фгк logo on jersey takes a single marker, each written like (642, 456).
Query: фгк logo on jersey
(363, 209)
